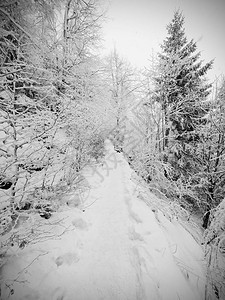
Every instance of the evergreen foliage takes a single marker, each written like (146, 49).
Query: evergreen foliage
(181, 89)
(180, 85)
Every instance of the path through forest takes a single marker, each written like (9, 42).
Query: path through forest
(116, 246)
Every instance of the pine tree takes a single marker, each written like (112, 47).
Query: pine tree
(180, 85)
(181, 89)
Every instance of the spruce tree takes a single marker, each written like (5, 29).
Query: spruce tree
(180, 84)
(181, 89)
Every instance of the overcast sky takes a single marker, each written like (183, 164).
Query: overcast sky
(137, 27)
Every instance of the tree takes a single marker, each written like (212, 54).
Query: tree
(29, 114)
(180, 84)
(122, 84)
(45, 106)
(80, 30)
(209, 155)
(176, 111)
(181, 89)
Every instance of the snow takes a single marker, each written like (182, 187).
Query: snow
(113, 246)
(215, 253)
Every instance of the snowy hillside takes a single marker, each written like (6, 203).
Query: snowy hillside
(112, 175)
(113, 246)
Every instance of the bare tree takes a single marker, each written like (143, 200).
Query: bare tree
(80, 30)
(44, 103)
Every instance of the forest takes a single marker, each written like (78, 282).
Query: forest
(60, 99)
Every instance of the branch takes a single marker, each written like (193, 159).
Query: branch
(8, 4)
(20, 27)
(13, 72)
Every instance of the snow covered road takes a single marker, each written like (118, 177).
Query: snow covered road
(118, 248)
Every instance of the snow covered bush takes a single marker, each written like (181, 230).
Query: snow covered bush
(215, 253)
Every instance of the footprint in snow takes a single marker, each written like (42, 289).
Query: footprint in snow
(67, 258)
(135, 236)
(80, 224)
(58, 294)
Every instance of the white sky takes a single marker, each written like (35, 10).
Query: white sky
(137, 27)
